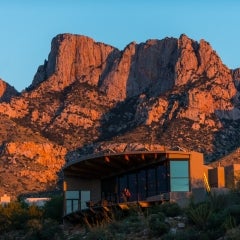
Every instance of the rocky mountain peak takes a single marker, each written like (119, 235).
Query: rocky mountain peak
(72, 58)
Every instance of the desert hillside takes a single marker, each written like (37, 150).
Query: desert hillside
(87, 95)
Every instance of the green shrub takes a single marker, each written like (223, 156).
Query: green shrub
(132, 224)
(35, 212)
(234, 210)
(54, 208)
(199, 215)
(99, 233)
(170, 209)
(13, 216)
(218, 201)
(229, 222)
(116, 227)
(157, 225)
(216, 219)
(47, 230)
(51, 229)
(153, 210)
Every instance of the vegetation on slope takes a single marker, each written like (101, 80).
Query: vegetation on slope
(214, 218)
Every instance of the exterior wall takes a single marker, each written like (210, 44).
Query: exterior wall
(92, 185)
(216, 177)
(181, 198)
(197, 170)
(236, 168)
(232, 176)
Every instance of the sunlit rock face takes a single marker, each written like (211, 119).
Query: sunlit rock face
(6, 91)
(171, 92)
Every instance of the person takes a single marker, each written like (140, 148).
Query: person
(126, 194)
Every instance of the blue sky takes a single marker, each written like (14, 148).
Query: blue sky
(28, 26)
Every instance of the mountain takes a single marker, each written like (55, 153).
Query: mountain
(89, 96)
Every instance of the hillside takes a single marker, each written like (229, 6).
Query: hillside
(86, 95)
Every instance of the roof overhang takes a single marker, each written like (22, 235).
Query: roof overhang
(100, 166)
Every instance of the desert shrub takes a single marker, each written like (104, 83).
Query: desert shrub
(211, 234)
(50, 229)
(157, 225)
(12, 216)
(5, 222)
(193, 234)
(35, 212)
(234, 210)
(188, 234)
(199, 215)
(215, 220)
(118, 214)
(234, 197)
(233, 234)
(99, 233)
(34, 227)
(116, 227)
(54, 208)
(229, 222)
(154, 209)
(132, 224)
(218, 201)
(170, 209)
(47, 230)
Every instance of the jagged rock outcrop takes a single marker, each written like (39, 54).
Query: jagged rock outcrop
(236, 76)
(6, 91)
(173, 92)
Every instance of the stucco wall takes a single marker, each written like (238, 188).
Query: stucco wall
(197, 170)
(92, 185)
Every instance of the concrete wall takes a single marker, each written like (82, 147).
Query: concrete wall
(92, 185)
(232, 176)
(197, 170)
(216, 177)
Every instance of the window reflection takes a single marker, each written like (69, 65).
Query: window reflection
(150, 181)
(179, 176)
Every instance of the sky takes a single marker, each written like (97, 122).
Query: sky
(28, 26)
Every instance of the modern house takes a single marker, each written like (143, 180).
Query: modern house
(149, 174)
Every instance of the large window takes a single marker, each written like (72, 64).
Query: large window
(179, 176)
(109, 189)
(151, 182)
(162, 179)
(132, 184)
(76, 200)
(142, 182)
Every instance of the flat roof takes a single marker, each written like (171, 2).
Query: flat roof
(102, 165)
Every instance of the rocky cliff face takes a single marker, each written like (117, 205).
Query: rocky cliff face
(86, 95)
(7, 91)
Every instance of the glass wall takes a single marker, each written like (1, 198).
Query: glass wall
(76, 200)
(143, 183)
(151, 181)
(162, 179)
(179, 176)
(133, 185)
(109, 189)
